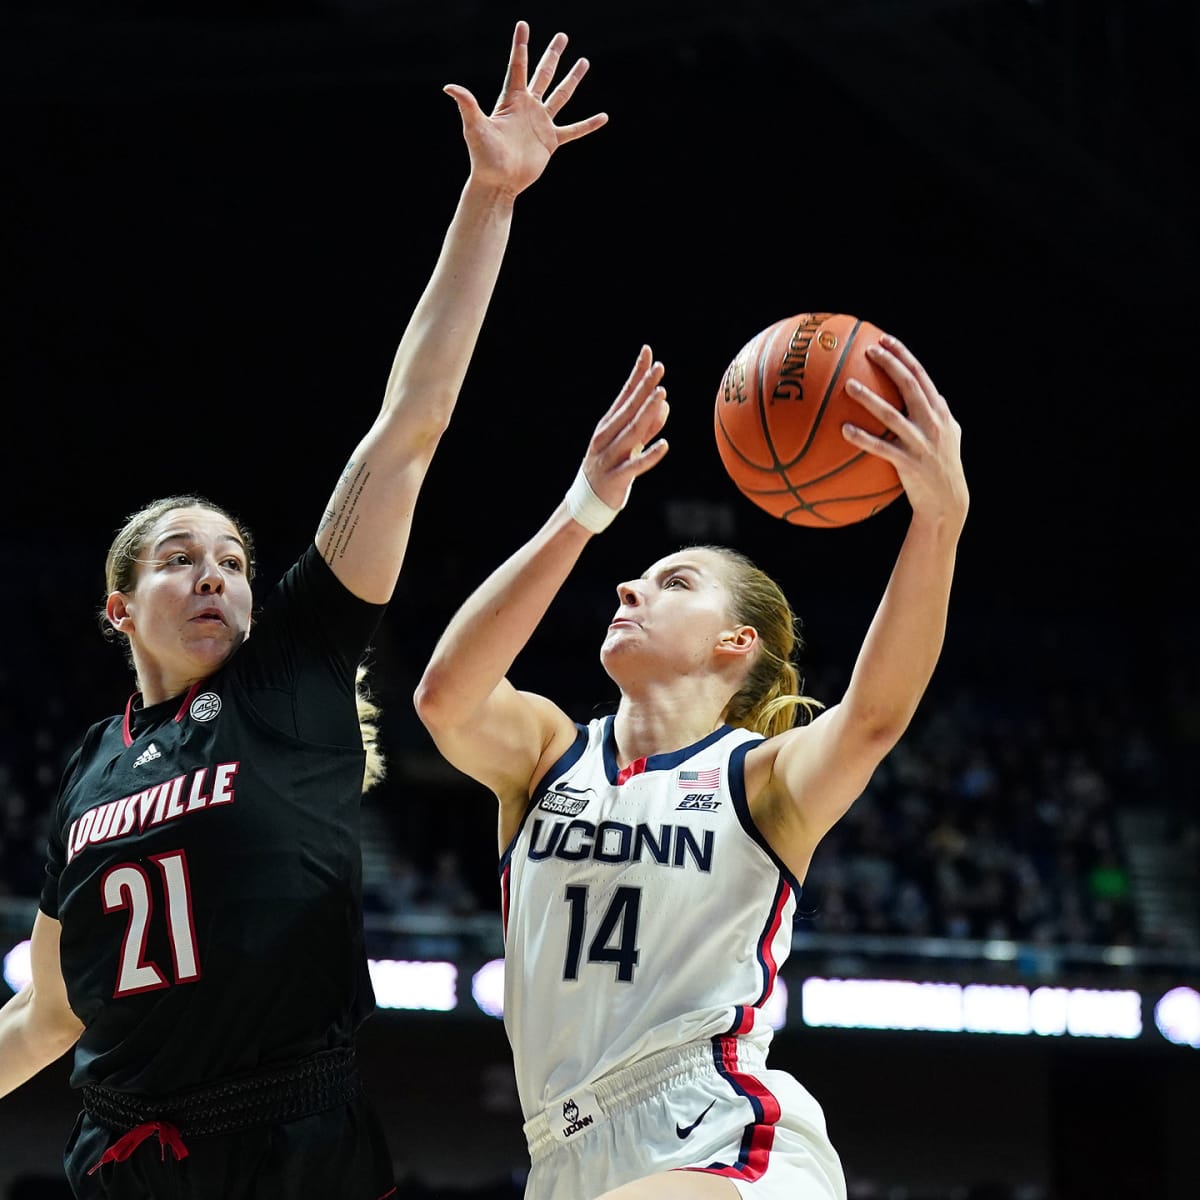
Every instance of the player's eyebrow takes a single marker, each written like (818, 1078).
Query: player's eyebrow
(674, 569)
(188, 535)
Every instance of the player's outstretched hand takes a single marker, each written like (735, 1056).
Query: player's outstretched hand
(510, 148)
(924, 440)
(623, 445)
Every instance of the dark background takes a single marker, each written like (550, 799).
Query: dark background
(217, 217)
(217, 222)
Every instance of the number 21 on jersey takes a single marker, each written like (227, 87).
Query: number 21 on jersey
(128, 886)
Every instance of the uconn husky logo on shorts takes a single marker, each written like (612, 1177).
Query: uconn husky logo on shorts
(574, 1122)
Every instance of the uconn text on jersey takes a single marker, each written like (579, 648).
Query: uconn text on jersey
(616, 842)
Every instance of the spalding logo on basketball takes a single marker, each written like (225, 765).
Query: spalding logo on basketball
(779, 415)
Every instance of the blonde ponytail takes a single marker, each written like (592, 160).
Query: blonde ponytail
(770, 699)
(368, 723)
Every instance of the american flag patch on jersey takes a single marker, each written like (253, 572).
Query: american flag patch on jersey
(691, 780)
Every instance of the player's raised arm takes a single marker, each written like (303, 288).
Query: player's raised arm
(365, 528)
(820, 769)
(480, 722)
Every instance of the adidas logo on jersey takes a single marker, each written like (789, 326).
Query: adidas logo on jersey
(150, 753)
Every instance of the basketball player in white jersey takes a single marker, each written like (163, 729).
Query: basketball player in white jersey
(651, 860)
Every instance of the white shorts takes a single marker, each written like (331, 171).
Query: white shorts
(709, 1106)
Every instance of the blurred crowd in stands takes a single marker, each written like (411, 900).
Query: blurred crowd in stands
(986, 827)
(999, 816)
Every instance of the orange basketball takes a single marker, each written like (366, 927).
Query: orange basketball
(779, 415)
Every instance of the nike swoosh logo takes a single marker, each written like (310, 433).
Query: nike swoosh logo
(562, 787)
(684, 1130)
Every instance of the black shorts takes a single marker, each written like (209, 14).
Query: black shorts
(337, 1153)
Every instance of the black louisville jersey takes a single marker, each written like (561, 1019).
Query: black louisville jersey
(204, 858)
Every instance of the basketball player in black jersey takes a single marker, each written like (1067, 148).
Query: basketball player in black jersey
(199, 940)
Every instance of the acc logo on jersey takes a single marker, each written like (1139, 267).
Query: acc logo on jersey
(205, 707)
(564, 805)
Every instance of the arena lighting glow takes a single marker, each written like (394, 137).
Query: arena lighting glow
(487, 987)
(1177, 1015)
(487, 990)
(416, 985)
(17, 967)
(776, 1007)
(970, 1008)
(871, 1004)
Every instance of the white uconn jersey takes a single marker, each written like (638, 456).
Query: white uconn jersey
(642, 910)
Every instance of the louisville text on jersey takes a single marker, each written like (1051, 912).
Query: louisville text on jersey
(163, 802)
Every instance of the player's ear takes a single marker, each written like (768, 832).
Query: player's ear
(116, 608)
(739, 640)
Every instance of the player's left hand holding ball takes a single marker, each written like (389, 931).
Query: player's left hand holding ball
(925, 439)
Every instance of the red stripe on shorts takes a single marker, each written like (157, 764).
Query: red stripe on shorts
(758, 1137)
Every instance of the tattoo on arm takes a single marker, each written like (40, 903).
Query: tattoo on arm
(340, 519)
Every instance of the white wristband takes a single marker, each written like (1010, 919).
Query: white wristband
(586, 507)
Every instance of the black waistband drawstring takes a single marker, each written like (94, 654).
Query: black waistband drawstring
(277, 1094)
